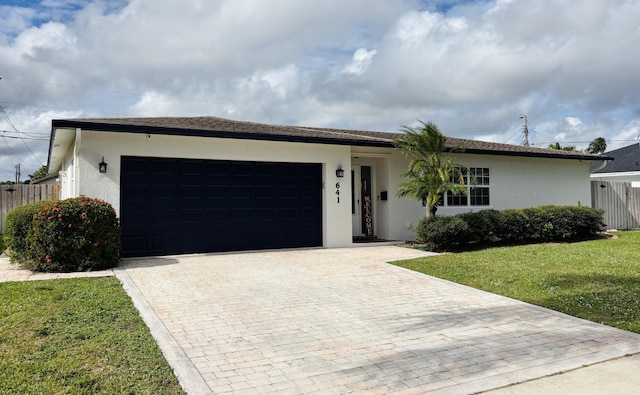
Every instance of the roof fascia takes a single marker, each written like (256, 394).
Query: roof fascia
(534, 155)
(103, 127)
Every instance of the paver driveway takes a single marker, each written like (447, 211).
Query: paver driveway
(343, 321)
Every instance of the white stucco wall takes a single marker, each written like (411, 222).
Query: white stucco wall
(516, 182)
(95, 145)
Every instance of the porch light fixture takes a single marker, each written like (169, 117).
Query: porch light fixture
(339, 172)
(102, 166)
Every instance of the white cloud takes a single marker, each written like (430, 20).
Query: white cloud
(473, 67)
(360, 61)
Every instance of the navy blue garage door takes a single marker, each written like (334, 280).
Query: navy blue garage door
(177, 206)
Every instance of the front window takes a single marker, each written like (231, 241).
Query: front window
(477, 183)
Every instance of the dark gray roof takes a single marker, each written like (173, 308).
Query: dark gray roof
(625, 159)
(226, 128)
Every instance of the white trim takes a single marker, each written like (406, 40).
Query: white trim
(616, 174)
(370, 154)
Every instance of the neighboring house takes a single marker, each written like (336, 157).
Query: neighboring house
(625, 167)
(51, 179)
(204, 184)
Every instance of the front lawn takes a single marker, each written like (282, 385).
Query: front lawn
(597, 280)
(77, 336)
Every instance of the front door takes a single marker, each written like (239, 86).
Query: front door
(361, 201)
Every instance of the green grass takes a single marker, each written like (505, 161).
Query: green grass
(597, 280)
(77, 336)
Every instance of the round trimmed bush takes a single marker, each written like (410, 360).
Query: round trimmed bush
(18, 224)
(442, 233)
(77, 234)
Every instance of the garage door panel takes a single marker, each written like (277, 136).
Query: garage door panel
(289, 192)
(172, 206)
(162, 193)
(163, 217)
(266, 171)
(243, 192)
(218, 215)
(308, 214)
(191, 216)
(218, 168)
(288, 214)
(244, 170)
(191, 192)
(215, 192)
(266, 215)
(266, 192)
(242, 215)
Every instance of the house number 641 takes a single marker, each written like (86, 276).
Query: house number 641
(338, 191)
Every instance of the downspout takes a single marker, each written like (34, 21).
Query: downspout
(76, 163)
(599, 167)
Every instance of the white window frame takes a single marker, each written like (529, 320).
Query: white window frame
(483, 182)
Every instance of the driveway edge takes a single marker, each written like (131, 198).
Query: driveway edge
(187, 374)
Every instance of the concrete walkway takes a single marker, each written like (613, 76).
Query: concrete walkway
(344, 321)
(10, 272)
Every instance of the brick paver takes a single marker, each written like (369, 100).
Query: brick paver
(344, 321)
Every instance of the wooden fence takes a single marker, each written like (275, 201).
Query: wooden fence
(12, 196)
(621, 203)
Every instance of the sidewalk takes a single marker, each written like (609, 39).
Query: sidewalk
(617, 376)
(10, 272)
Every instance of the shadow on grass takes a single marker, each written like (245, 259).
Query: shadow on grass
(604, 298)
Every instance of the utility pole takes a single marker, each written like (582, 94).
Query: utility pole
(526, 130)
(18, 173)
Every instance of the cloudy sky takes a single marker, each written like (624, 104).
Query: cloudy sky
(472, 67)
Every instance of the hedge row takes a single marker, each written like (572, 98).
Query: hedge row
(78, 234)
(535, 224)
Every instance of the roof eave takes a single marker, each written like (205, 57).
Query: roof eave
(120, 128)
(550, 155)
(363, 142)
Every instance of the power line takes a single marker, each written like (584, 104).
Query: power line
(6, 117)
(4, 134)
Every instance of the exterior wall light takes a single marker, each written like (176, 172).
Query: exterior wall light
(339, 172)
(102, 166)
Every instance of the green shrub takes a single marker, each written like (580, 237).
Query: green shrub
(482, 224)
(442, 233)
(533, 224)
(586, 221)
(18, 224)
(512, 225)
(77, 234)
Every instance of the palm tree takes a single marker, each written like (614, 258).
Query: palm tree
(559, 147)
(431, 171)
(597, 146)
